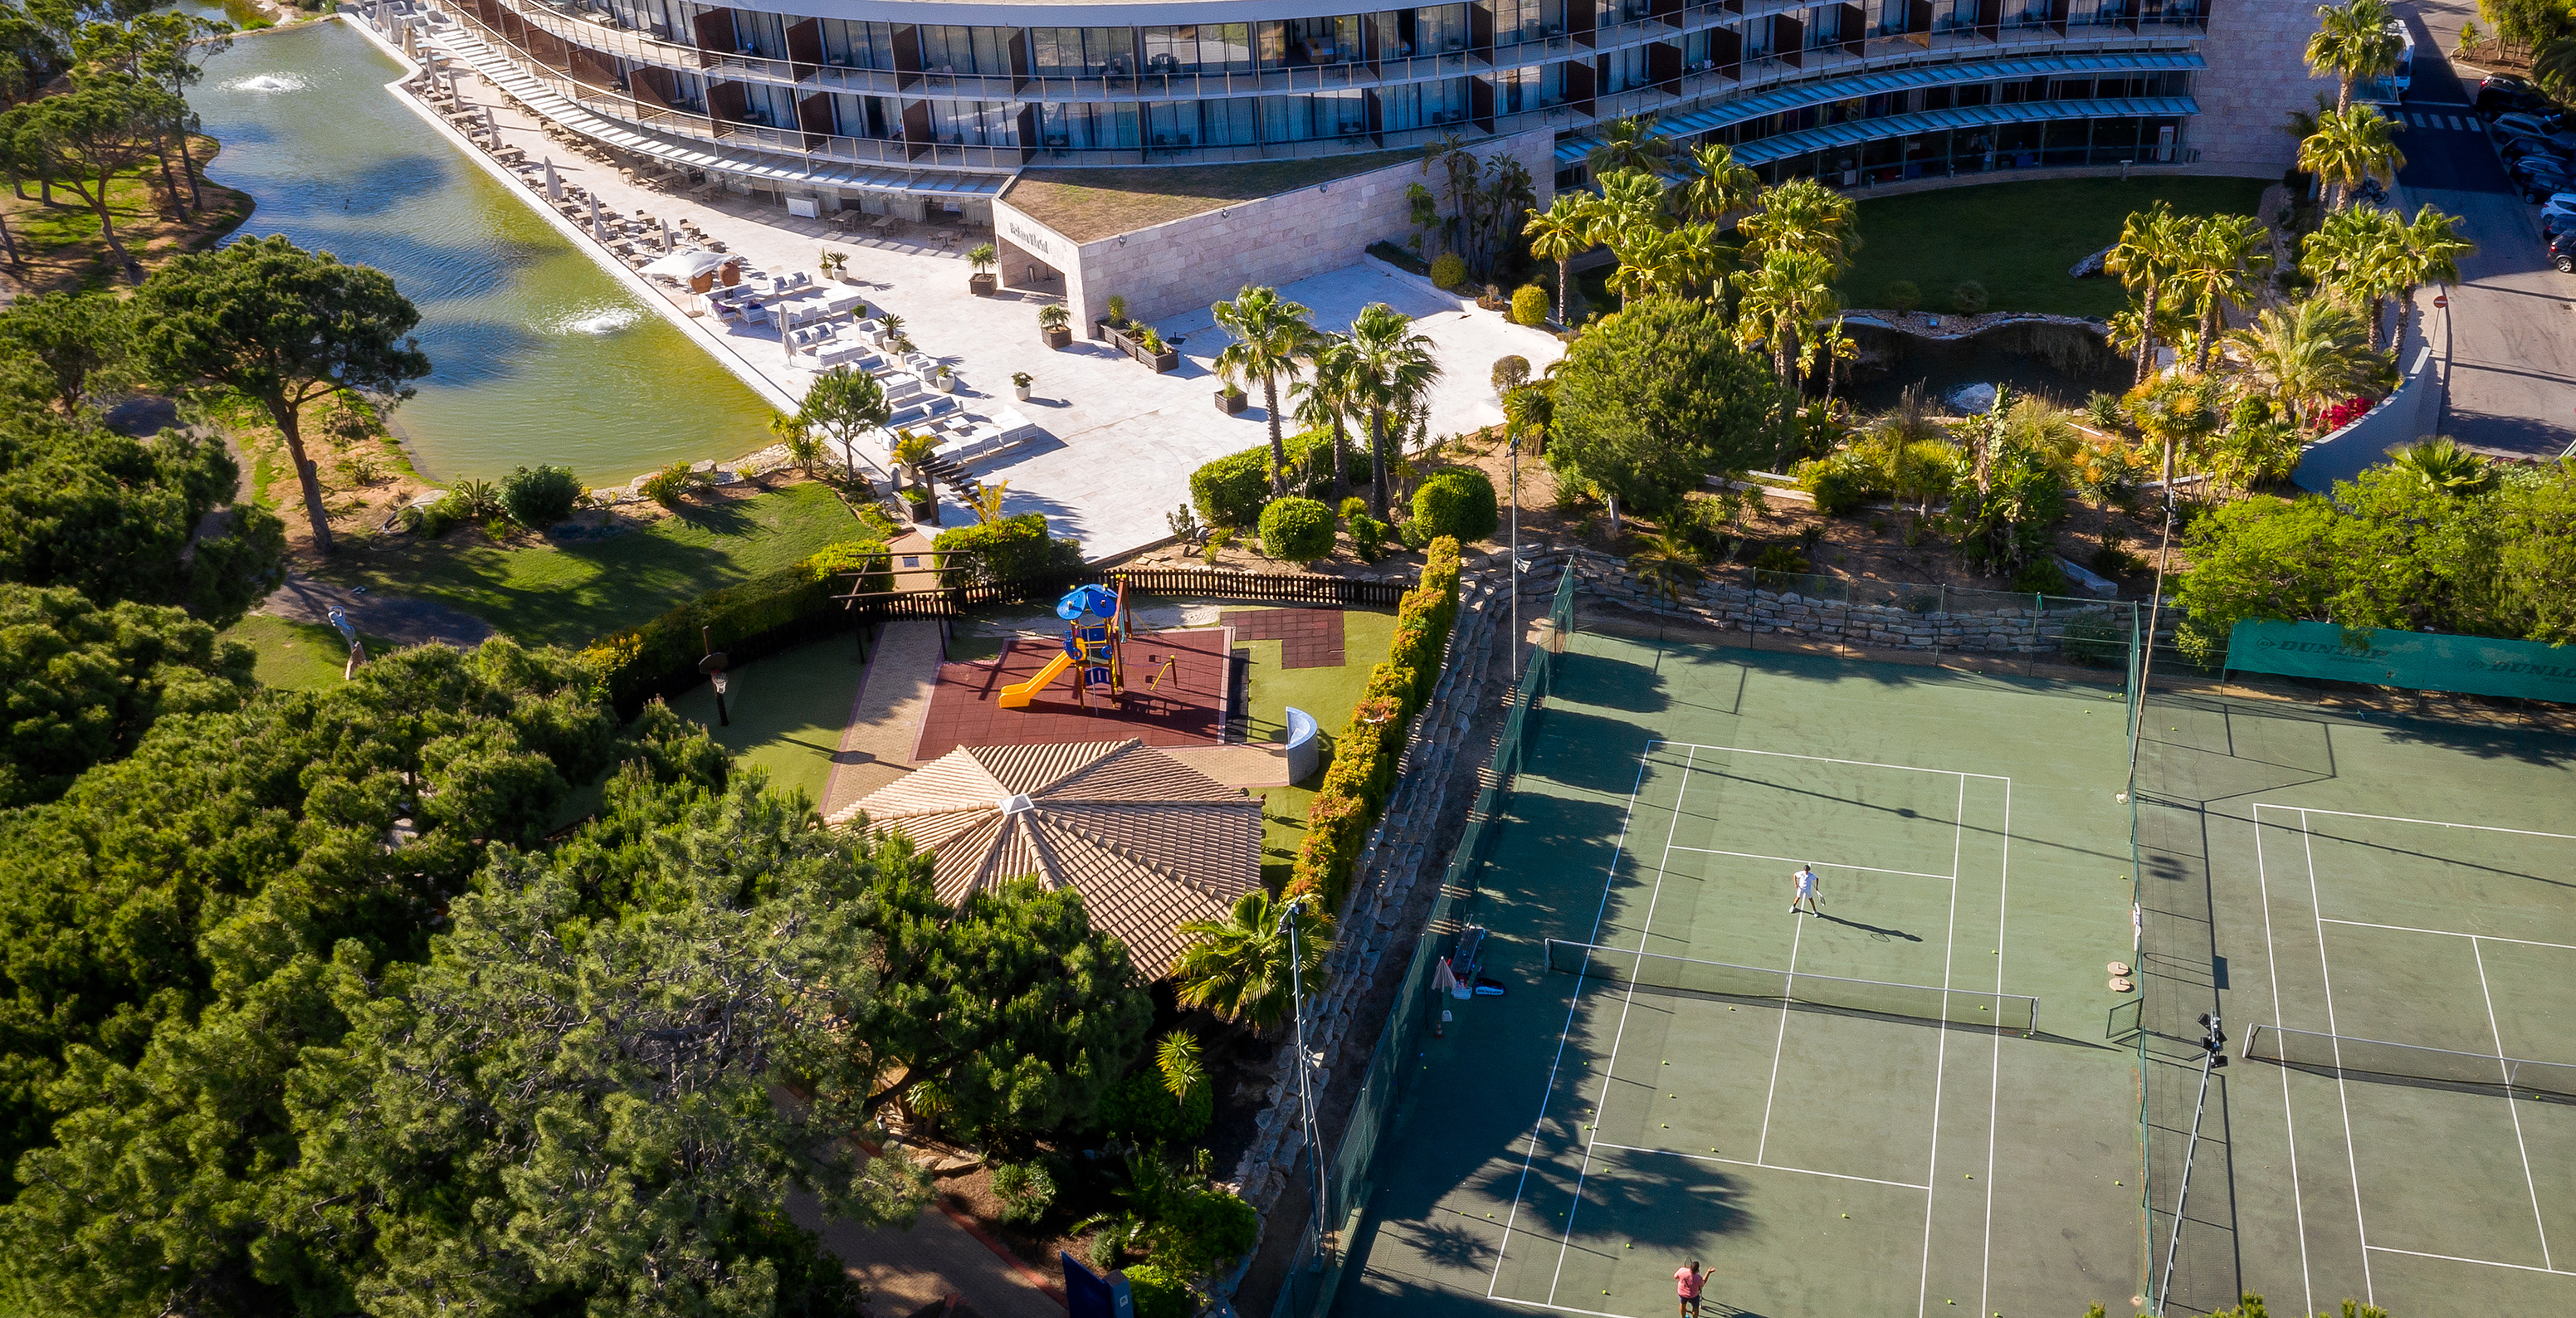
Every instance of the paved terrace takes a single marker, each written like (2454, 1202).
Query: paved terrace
(1118, 442)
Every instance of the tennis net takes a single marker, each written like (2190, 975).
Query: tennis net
(2345, 1053)
(1616, 965)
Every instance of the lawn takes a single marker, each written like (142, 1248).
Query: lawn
(2019, 239)
(297, 656)
(788, 712)
(1086, 205)
(573, 592)
(62, 244)
(1326, 693)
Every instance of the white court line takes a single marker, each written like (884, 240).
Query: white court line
(1554, 1308)
(2402, 819)
(1757, 1162)
(1780, 1045)
(1610, 877)
(2272, 962)
(1826, 759)
(2352, 1155)
(1995, 1091)
(1824, 864)
(2454, 1258)
(1941, 1058)
(2510, 1106)
(1610, 1069)
(2453, 933)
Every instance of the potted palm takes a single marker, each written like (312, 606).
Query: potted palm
(944, 379)
(1054, 325)
(1230, 398)
(1020, 382)
(836, 265)
(1115, 321)
(983, 283)
(1151, 350)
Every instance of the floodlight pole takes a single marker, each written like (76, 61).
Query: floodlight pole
(1512, 582)
(1305, 1090)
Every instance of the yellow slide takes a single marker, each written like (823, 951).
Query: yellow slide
(1018, 694)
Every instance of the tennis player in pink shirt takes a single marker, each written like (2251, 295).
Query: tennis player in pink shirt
(1688, 1282)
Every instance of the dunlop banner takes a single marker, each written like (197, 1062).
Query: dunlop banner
(2423, 661)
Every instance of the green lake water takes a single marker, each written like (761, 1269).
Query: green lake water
(539, 354)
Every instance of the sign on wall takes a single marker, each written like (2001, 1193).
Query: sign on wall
(2422, 661)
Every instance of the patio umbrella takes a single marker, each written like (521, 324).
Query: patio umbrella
(554, 182)
(597, 230)
(667, 243)
(490, 125)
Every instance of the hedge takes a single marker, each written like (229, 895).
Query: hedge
(1458, 502)
(1015, 549)
(1231, 490)
(1354, 791)
(770, 612)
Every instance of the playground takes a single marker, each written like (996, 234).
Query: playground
(1900, 1104)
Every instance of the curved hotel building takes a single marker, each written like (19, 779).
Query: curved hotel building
(906, 105)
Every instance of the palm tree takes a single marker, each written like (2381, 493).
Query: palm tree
(2441, 464)
(2310, 353)
(1665, 565)
(1630, 199)
(1718, 187)
(1270, 335)
(2354, 256)
(1239, 966)
(2223, 266)
(1394, 368)
(1629, 143)
(2175, 413)
(1328, 401)
(2352, 145)
(1779, 299)
(2352, 42)
(2151, 244)
(1832, 346)
(2431, 255)
(1802, 215)
(1561, 233)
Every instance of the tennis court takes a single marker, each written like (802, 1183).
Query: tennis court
(2396, 915)
(1903, 1104)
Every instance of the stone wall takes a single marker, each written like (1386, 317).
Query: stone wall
(1191, 263)
(2258, 72)
(1726, 605)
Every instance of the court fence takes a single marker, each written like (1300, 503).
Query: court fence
(1314, 1277)
(1656, 970)
(2347, 1054)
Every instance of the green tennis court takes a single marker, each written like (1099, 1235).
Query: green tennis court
(1931, 1122)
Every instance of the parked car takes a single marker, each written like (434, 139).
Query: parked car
(2515, 147)
(2548, 127)
(2562, 252)
(2502, 93)
(2540, 176)
(2561, 205)
(2553, 225)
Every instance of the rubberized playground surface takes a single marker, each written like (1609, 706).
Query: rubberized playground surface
(1182, 704)
(2394, 880)
(1579, 1139)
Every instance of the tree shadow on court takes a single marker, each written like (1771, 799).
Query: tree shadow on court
(1590, 751)
(1610, 682)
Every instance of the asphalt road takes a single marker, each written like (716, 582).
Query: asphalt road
(2510, 328)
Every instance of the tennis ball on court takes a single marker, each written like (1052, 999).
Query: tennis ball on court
(1846, 1217)
(1668, 1125)
(2119, 1182)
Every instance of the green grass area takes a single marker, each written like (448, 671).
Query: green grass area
(297, 656)
(788, 712)
(1326, 693)
(571, 593)
(2019, 239)
(1283, 829)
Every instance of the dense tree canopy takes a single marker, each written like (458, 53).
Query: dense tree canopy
(80, 683)
(1651, 401)
(117, 518)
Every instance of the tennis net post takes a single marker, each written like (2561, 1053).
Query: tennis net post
(2016, 1012)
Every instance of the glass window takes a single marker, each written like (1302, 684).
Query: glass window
(974, 123)
(865, 116)
(1310, 118)
(1223, 122)
(1088, 127)
(949, 49)
(1611, 13)
(1623, 69)
(1532, 88)
(1527, 20)
(1083, 52)
(1424, 104)
(1405, 33)
(1302, 42)
(1199, 48)
(855, 45)
(756, 33)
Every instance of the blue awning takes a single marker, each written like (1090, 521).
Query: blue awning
(1929, 121)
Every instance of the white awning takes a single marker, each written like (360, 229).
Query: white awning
(688, 265)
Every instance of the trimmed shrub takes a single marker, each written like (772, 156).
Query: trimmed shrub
(1457, 502)
(668, 647)
(539, 497)
(1902, 295)
(1026, 1190)
(1529, 305)
(1140, 1108)
(1968, 298)
(671, 484)
(1841, 483)
(1014, 548)
(1159, 1294)
(1231, 490)
(1448, 270)
(1298, 530)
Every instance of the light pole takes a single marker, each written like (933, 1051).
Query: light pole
(1512, 583)
(1305, 1087)
(714, 667)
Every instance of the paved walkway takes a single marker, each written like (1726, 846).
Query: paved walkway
(876, 747)
(1120, 440)
(906, 1270)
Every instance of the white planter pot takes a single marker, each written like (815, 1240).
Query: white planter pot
(1022, 391)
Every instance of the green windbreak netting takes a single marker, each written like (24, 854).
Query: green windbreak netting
(2477, 665)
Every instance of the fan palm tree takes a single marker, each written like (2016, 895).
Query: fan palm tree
(1832, 346)
(1718, 187)
(1665, 565)
(1630, 199)
(1271, 335)
(1778, 299)
(2223, 266)
(2354, 255)
(1394, 368)
(1629, 143)
(1239, 966)
(2352, 42)
(1329, 399)
(2349, 146)
(2310, 353)
(1561, 233)
(2175, 413)
(2151, 246)
(2441, 464)
(1802, 215)
(2431, 255)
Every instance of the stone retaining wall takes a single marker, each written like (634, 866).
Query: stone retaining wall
(2023, 630)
